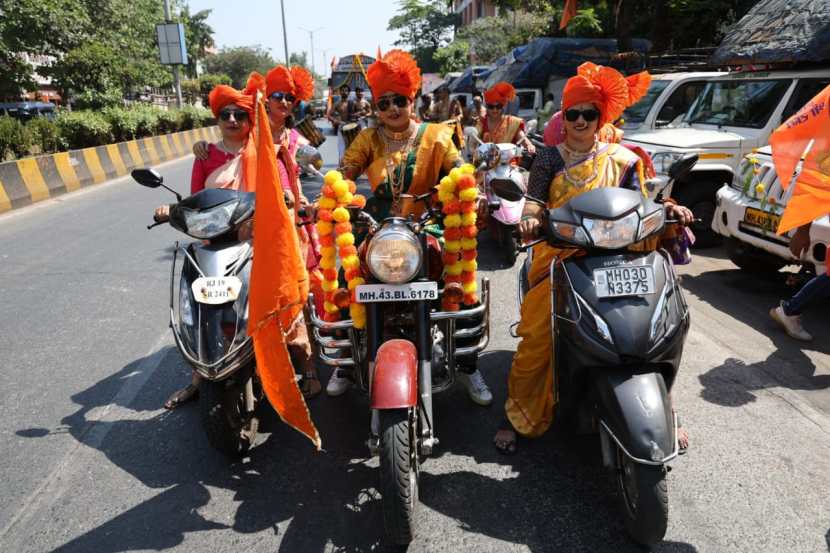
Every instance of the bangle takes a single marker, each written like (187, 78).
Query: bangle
(528, 217)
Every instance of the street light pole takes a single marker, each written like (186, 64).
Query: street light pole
(284, 33)
(177, 84)
(325, 63)
(311, 38)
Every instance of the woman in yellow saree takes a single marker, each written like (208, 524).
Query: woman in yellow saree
(402, 158)
(580, 163)
(499, 127)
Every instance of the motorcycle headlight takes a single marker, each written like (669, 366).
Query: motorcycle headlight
(651, 223)
(185, 305)
(613, 234)
(209, 223)
(394, 255)
(663, 160)
(571, 233)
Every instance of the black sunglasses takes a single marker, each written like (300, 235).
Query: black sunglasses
(279, 96)
(385, 103)
(493, 106)
(238, 115)
(588, 114)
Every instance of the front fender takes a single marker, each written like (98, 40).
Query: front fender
(395, 376)
(637, 411)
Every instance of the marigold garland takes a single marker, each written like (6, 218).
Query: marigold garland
(336, 238)
(458, 192)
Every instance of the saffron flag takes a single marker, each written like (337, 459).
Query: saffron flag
(568, 13)
(279, 285)
(810, 126)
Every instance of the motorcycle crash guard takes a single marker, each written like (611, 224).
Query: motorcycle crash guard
(395, 378)
(637, 411)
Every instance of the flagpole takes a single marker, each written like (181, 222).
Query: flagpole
(797, 170)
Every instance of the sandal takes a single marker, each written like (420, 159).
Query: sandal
(506, 446)
(310, 386)
(180, 397)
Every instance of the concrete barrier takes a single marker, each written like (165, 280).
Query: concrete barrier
(32, 179)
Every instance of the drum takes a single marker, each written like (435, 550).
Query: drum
(350, 132)
(308, 129)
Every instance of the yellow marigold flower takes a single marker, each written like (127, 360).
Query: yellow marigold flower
(328, 263)
(470, 266)
(759, 188)
(355, 282)
(332, 177)
(346, 239)
(469, 243)
(340, 187)
(468, 169)
(468, 195)
(324, 227)
(452, 246)
(469, 219)
(455, 269)
(455, 174)
(330, 307)
(470, 287)
(341, 215)
(328, 251)
(351, 262)
(329, 285)
(452, 221)
(327, 203)
(447, 184)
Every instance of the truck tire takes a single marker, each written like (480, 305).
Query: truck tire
(700, 198)
(751, 259)
(645, 499)
(228, 427)
(398, 475)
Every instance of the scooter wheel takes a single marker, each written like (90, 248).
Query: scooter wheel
(645, 500)
(228, 427)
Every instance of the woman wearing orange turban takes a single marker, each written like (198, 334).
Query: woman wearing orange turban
(597, 95)
(497, 126)
(402, 157)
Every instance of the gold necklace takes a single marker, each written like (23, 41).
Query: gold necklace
(396, 173)
(570, 155)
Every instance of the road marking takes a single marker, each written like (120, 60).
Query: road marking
(52, 488)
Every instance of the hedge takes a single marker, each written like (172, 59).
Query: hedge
(81, 129)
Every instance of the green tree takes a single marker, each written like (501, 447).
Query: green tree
(90, 74)
(239, 62)
(298, 58)
(453, 57)
(492, 37)
(424, 26)
(198, 36)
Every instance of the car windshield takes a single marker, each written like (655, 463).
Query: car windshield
(637, 113)
(738, 103)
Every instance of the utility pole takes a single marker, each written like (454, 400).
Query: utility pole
(311, 38)
(176, 80)
(284, 33)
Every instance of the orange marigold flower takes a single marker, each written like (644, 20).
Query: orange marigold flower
(359, 201)
(328, 192)
(342, 228)
(325, 215)
(452, 278)
(468, 255)
(470, 232)
(468, 207)
(453, 234)
(330, 274)
(451, 208)
(346, 251)
(470, 299)
(466, 181)
(467, 276)
(327, 240)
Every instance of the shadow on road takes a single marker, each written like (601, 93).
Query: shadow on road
(748, 299)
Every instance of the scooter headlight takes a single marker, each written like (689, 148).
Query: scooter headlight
(394, 255)
(185, 304)
(572, 233)
(613, 234)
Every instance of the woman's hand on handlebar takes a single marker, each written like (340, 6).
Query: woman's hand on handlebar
(529, 228)
(200, 150)
(683, 215)
(162, 213)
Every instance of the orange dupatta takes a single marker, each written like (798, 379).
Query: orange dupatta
(279, 281)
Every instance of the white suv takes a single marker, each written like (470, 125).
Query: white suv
(748, 211)
(733, 115)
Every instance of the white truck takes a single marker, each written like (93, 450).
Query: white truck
(734, 114)
(748, 211)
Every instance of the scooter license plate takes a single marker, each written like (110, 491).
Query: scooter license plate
(216, 290)
(413, 291)
(624, 280)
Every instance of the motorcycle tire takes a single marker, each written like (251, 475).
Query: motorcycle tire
(645, 500)
(398, 475)
(228, 427)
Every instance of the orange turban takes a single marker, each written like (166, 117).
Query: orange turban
(604, 87)
(396, 72)
(500, 93)
(279, 79)
(637, 86)
(303, 83)
(224, 95)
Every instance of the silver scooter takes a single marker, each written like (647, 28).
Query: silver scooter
(209, 309)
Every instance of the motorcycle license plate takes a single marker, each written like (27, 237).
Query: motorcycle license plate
(624, 280)
(413, 291)
(216, 290)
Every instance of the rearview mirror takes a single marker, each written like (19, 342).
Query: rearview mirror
(682, 166)
(507, 190)
(147, 177)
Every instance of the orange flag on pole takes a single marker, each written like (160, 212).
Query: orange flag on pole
(279, 285)
(804, 135)
(568, 13)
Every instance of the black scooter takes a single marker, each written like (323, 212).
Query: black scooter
(619, 325)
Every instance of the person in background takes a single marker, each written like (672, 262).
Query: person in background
(545, 112)
(498, 127)
(221, 167)
(339, 115)
(441, 106)
(362, 108)
(788, 313)
(425, 110)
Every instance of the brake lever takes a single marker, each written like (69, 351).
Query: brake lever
(157, 223)
(525, 247)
